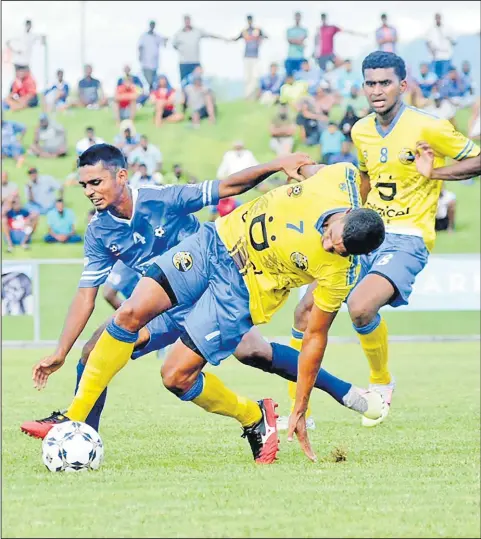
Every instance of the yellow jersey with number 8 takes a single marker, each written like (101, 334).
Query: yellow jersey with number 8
(276, 241)
(405, 199)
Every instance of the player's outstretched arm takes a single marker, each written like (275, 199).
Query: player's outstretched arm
(313, 347)
(460, 170)
(78, 315)
(246, 179)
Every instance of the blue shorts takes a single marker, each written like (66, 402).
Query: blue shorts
(399, 259)
(212, 299)
(12, 150)
(123, 279)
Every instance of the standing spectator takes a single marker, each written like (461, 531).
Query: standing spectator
(270, 86)
(296, 37)
(41, 192)
(12, 135)
(427, 80)
(446, 211)
(187, 43)
(253, 37)
(89, 140)
(23, 93)
(127, 140)
(50, 139)
(9, 191)
(347, 78)
(125, 100)
(236, 160)
(346, 155)
(440, 42)
(282, 130)
(324, 42)
(200, 101)
(22, 47)
(164, 99)
(142, 178)
(18, 225)
(386, 36)
(149, 47)
(148, 154)
(348, 120)
(90, 91)
(311, 75)
(61, 225)
(55, 97)
(331, 142)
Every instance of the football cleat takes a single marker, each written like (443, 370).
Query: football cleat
(40, 427)
(283, 423)
(262, 436)
(386, 392)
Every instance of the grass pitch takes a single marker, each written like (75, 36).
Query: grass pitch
(172, 470)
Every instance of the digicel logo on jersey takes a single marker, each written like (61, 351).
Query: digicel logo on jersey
(387, 211)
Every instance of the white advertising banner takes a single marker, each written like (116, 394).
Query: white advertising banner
(17, 290)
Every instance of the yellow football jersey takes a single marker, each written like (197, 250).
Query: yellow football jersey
(276, 241)
(405, 199)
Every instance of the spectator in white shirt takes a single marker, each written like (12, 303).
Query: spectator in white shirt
(149, 47)
(440, 42)
(89, 140)
(147, 154)
(142, 178)
(22, 47)
(236, 160)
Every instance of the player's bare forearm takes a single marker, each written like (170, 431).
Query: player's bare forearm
(309, 170)
(462, 170)
(78, 315)
(111, 297)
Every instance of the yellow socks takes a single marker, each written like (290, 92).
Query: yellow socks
(216, 398)
(374, 342)
(108, 357)
(296, 343)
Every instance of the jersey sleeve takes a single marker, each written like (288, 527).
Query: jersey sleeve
(448, 142)
(333, 288)
(97, 262)
(191, 198)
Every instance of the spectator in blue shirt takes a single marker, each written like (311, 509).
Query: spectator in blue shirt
(90, 91)
(468, 87)
(12, 134)
(344, 156)
(61, 225)
(127, 139)
(311, 75)
(427, 80)
(331, 142)
(55, 97)
(270, 86)
(296, 37)
(143, 96)
(450, 86)
(347, 78)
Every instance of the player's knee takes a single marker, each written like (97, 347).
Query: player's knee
(360, 312)
(128, 317)
(175, 380)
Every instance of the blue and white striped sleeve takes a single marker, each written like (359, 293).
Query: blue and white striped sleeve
(192, 198)
(97, 263)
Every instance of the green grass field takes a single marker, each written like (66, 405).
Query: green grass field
(172, 470)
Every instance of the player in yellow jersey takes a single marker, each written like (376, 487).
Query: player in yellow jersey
(398, 146)
(234, 274)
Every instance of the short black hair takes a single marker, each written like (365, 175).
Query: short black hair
(110, 157)
(383, 16)
(385, 60)
(89, 129)
(363, 231)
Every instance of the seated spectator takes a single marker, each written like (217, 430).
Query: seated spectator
(441, 108)
(90, 91)
(142, 96)
(125, 100)
(235, 160)
(270, 86)
(349, 119)
(450, 86)
(331, 142)
(148, 154)
(127, 140)
(12, 135)
(178, 176)
(357, 101)
(61, 225)
(346, 79)
(141, 178)
(41, 192)
(164, 100)
(23, 92)
(468, 86)
(292, 91)
(200, 102)
(18, 225)
(89, 140)
(224, 207)
(55, 97)
(310, 75)
(50, 139)
(9, 192)
(282, 130)
(314, 114)
(189, 79)
(446, 211)
(346, 155)
(427, 80)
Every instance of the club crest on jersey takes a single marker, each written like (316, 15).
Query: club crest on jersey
(299, 260)
(294, 191)
(406, 156)
(114, 249)
(159, 231)
(183, 261)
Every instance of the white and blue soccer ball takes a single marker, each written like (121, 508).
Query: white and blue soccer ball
(72, 447)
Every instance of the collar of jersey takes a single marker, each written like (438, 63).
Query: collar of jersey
(322, 219)
(135, 193)
(392, 125)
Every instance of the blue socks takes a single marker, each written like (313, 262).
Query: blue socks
(284, 363)
(93, 419)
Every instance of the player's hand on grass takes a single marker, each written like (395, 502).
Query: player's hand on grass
(424, 158)
(44, 368)
(297, 424)
(291, 164)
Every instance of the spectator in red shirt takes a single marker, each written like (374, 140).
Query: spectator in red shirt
(17, 225)
(125, 100)
(23, 93)
(163, 98)
(324, 42)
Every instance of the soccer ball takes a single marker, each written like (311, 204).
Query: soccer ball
(72, 447)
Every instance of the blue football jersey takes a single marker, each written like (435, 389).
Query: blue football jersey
(161, 219)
